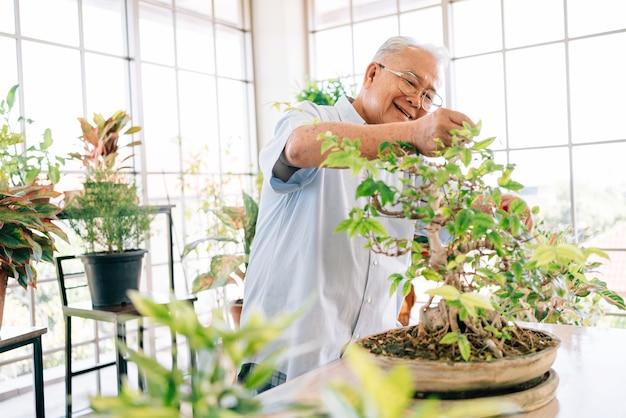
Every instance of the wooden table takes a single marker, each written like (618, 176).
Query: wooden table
(14, 337)
(590, 364)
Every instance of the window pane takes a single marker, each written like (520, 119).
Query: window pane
(587, 17)
(332, 53)
(36, 21)
(365, 9)
(234, 131)
(467, 17)
(7, 17)
(532, 89)
(327, 13)
(156, 35)
(104, 23)
(9, 66)
(368, 37)
(198, 118)
(230, 52)
(199, 6)
(229, 11)
(546, 17)
(599, 186)
(414, 4)
(424, 25)
(551, 193)
(54, 105)
(479, 93)
(107, 85)
(598, 91)
(195, 44)
(160, 132)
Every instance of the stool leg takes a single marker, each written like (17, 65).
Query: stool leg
(140, 378)
(38, 366)
(68, 366)
(120, 336)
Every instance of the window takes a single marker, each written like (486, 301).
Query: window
(181, 69)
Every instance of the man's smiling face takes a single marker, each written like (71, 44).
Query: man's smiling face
(381, 99)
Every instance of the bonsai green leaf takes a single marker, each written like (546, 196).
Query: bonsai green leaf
(484, 144)
(432, 275)
(446, 291)
(473, 301)
(464, 347)
(482, 224)
(463, 221)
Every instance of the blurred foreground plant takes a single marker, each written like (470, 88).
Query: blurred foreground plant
(207, 390)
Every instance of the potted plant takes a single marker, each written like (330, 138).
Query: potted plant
(26, 234)
(239, 227)
(488, 266)
(107, 214)
(21, 166)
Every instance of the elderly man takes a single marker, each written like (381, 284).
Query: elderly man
(297, 259)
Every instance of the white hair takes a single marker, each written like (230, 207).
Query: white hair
(397, 44)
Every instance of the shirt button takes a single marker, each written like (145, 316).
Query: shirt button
(369, 300)
(357, 336)
(375, 262)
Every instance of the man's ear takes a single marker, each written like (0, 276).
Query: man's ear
(370, 72)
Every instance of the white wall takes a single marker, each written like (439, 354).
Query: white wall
(279, 40)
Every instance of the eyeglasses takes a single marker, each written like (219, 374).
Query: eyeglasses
(411, 85)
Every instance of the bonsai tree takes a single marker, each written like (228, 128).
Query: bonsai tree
(19, 165)
(26, 234)
(478, 246)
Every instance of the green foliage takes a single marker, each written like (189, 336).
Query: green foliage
(208, 389)
(20, 166)
(324, 93)
(239, 224)
(26, 231)
(108, 218)
(528, 274)
(107, 214)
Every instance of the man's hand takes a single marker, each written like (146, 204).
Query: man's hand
(436, 125)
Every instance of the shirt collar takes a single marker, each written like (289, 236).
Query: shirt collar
(347, 111)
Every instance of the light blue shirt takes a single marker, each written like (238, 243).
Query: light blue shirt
(298, 260)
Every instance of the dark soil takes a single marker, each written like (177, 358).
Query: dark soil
(408, 343)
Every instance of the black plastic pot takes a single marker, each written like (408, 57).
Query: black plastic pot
(111, 275)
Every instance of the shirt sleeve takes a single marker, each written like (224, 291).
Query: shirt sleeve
(306, 113)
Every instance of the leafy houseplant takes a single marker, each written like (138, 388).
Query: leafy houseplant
(494, 268)
(107, 214)
(240, 226)
(208, 389)
(26, 234)
(21, 166)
